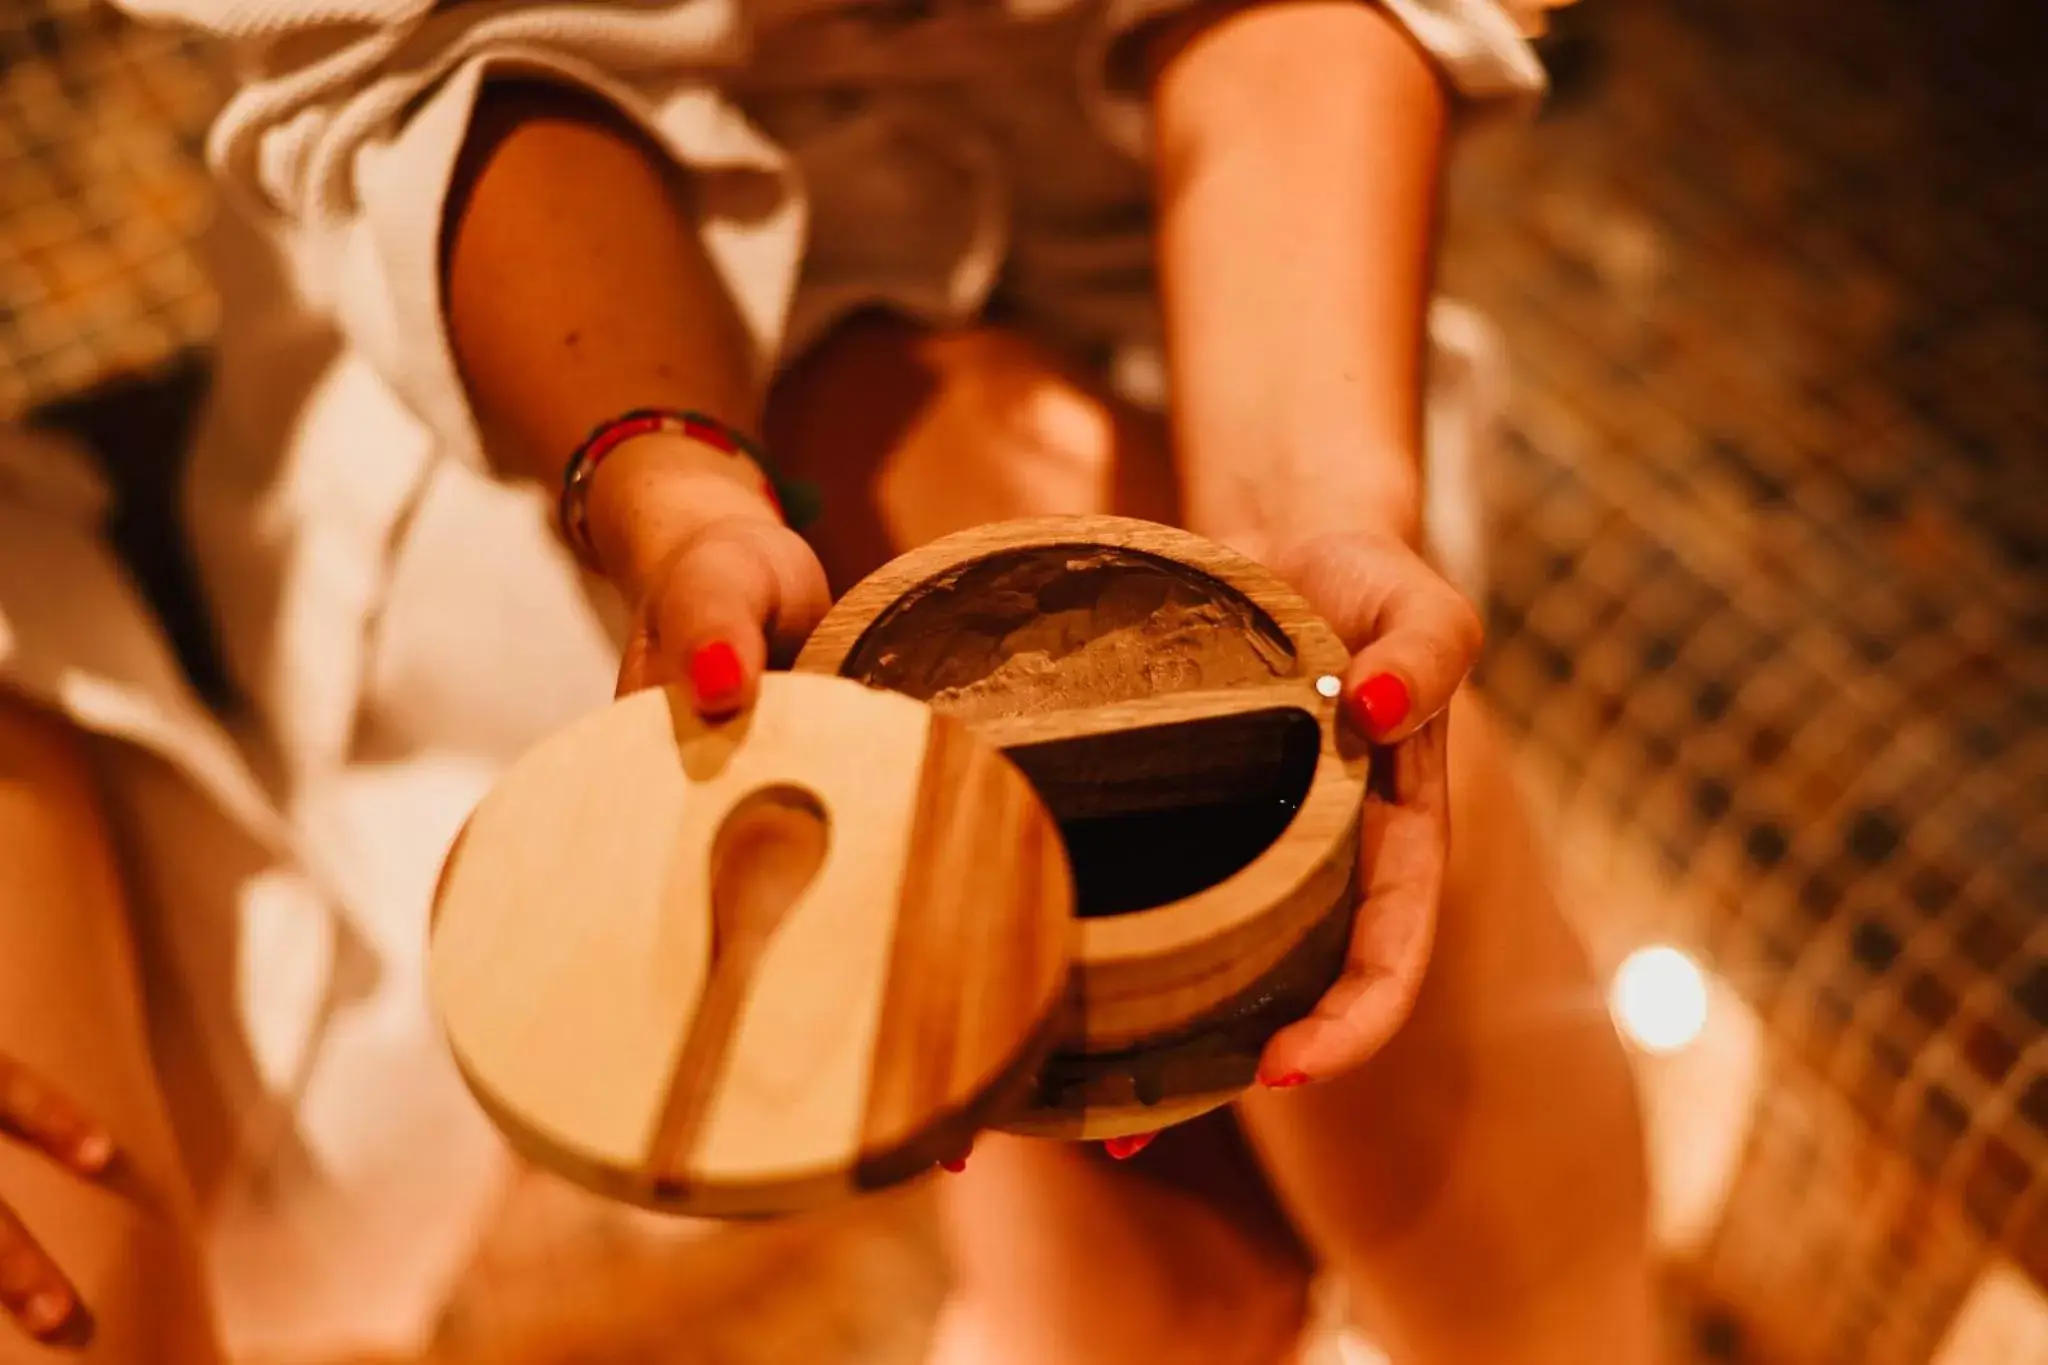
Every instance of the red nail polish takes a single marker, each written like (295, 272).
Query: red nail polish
(1287, 1080)
(956, 1165)
(1124, 1148)
(715, 673)
(1381, 702)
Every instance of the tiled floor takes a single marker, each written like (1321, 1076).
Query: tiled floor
(1770, 610)
(1769, 585)
(100, 122)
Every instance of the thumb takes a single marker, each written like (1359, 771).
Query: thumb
(735, 595)
(1413, 636)
(1405, 675)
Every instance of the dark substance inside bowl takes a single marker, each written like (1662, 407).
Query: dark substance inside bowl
(1148, 816)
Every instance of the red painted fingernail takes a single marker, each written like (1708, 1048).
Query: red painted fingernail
(1381, 702)
(1124, 1148)
(956, 1165)
(715, 673)
(1286, 1080)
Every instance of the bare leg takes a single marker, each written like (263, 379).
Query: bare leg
(1059, 1254)
(912, 435)
(1481, 1186)
(70, 1009)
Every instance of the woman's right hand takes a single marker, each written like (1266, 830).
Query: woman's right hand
(729, 601)
(721, 587)
(33, 1291)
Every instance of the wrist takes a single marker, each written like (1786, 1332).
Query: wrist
(1299, 494)
(654, 492)
(1379, 493)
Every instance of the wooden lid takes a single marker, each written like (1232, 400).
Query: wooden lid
(752, 967)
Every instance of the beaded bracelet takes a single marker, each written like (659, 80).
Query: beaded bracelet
(796, 501)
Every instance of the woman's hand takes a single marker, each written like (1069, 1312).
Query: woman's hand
(33, 1291)
(1413, 639)
(730, 600)
(721, 587)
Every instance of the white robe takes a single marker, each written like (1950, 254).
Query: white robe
(374, 588)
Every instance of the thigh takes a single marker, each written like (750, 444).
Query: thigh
(70, 1008)
(1060, 1253)
(1482, 1181)
(1481, 1184)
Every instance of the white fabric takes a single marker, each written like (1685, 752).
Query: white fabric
(375, 589)
(1477, 43)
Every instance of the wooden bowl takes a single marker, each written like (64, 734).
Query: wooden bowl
(1176, 708)
(1078, 840)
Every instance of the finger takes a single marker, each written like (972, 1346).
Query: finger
(32, 1290)
(957, 1163)
(45, 1118)
(802, 595)
(1412, 635)
(1124, 1148)
(732, 594)
(708, 623)
(1426, 641)
(1402, 850)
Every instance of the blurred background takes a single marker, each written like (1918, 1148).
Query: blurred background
(1769, 613)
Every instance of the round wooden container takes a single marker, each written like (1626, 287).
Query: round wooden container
(1176, 707)
(1050, 829)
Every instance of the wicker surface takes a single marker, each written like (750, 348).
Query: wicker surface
(1769, 583)
(1769, 598)
(1768, 557)
(100, 193)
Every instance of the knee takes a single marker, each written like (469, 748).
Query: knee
(1047, 438)
(1005, 432)
(1021, 400)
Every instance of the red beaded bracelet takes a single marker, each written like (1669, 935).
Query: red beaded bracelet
(796, 502)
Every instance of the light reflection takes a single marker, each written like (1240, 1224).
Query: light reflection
(1659, 999)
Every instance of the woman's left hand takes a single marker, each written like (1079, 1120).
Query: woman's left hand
(1413, 639)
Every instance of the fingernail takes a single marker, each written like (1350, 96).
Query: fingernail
(46, 1312)
(1286, 1080)
(93, 1152)
(1124, 1148)
(715, 673)
(959, 1163)
(1381, 703)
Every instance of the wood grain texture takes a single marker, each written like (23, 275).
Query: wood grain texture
(1130, 667)
(961, 976)
(747, 968)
